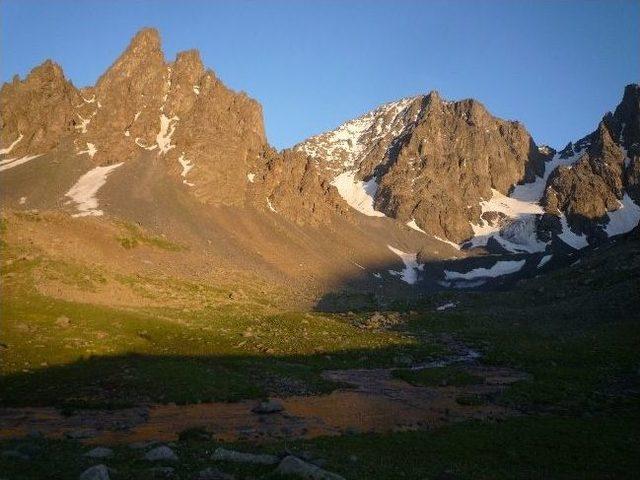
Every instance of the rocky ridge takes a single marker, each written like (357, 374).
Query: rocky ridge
(448, 170)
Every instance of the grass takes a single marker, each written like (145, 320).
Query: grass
(110, 357)
(531, 447)
(575, 331)
(135, 236)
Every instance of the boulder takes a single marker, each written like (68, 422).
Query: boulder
(240, 457)
(295, 467)
(161, 454)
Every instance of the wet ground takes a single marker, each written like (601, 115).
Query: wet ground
(371, 401)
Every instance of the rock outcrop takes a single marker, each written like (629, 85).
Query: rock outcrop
(607, 168)
(37, 114)
(433, 160)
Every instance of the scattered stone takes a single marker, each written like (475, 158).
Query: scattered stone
(379, 321)
(97, 472)
(299, 468)
(99, 452)
(162, 453)
(240, 457)
(268, 406)
(63, 322)
(213, 474)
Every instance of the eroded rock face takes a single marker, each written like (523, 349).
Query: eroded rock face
(434, 160)
(607, 168)
(39, 111)
(290, 184)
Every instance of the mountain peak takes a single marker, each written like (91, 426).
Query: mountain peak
(145, 40)
(47, 71)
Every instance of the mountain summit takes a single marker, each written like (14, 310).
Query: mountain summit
(167, 146)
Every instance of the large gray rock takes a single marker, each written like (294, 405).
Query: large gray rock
(240, 457)
(296, 467)
(160, 454)
(97, 472)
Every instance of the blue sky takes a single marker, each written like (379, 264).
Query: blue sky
(557, 66)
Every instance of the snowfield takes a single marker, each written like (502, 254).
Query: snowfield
(502, 267)
(4, 151)
(359, 195)
(409, 273)
(9, 163)
(83, 193)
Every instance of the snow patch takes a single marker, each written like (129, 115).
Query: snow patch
(186, 167)
(83, 193)
(91, 150)
(140, 144)
(446, 306)
(358, 194)
(167, 127)
(502, 267)
(4, 151)
(412, 224)
(625, 218)
(9, 163)
(569, 237)
(23, 200)
(411, 266)
(251, 176)
(544, 260)
(84, 122)
(271, 206)
(196, 89)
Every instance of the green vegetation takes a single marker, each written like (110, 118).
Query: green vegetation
(574, 332)
(532, 447)
(135, 236)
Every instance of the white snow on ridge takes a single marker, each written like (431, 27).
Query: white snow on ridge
(501, 267)
(167, 127)
(412, 224)
(9, 163)
(446, 306)
(186, 167)
(139, 143)
(625, 218)
(251, 177)
(270, 205)
(4, 151)
(346, 139)
(83, 193)
(520, 206)
(91, 150)
(358, 194)
(569, 237)
(544, 260)
(409, 273)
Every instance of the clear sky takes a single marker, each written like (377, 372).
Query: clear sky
(557, 66)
